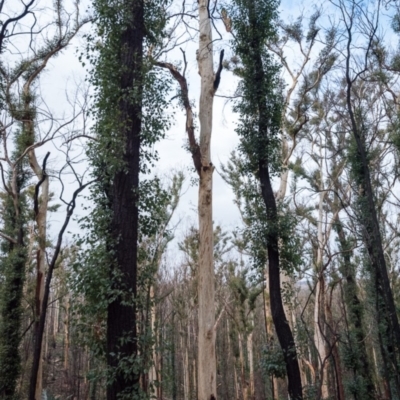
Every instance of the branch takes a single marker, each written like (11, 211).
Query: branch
(218, 74)
(4, 181)
(193, 145)
(9, 238)
(42, 319)
(44, 176)
(10, 20)
(219, 318)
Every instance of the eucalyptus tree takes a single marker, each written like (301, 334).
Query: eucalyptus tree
(201, 154)
(260, 110)
(129, 106)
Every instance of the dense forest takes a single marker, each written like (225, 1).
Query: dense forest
(105, 293)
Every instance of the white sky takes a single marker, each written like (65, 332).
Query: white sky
(64, 71)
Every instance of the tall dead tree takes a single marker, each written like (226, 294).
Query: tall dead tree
(201, 154)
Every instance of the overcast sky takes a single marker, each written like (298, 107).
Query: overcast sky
(65, 72)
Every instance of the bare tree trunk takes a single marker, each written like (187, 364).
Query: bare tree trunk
(319, 307)
(66, 334)
(243, 384)
(152, 371)
(201, 154)
(185, 363)
(207, 371)
(319, 335)
(251, 364)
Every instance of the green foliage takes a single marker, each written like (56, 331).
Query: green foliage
(12, 273)
(13, 258)
(256, 228)
(254, 23)
(272, 362)
(148, 91)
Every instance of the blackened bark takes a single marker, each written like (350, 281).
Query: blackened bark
(281, 324)
(282, 327)
(121, 320)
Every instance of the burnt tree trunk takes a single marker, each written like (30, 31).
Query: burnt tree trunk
(283, 331)
(121, 320)
(282, 327)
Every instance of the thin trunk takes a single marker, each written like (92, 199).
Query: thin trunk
(37, 351)
(269, 329)
(319, 337)
(286, 281)
(66, 334)
(336, 356)
(237, 390)
(243, 383)
(185, 364)
(319, 307)
(251, 364)
(152, 371)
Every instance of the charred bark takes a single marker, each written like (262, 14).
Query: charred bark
(282, 327)
(283, 331)
(121, 318)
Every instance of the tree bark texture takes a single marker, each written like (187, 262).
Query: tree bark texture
(201, 154)
(121, 318)
(207, 370)
(206, 367)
